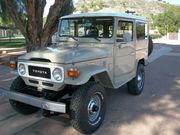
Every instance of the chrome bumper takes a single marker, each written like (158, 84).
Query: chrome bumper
(34, 101)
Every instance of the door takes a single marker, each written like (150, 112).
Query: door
(124, 49)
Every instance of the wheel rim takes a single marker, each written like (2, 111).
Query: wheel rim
(140, 79)
(94, 108)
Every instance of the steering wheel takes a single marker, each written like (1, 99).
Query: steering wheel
(92, 30)
(106, 35)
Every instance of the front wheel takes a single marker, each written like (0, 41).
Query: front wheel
(136, 85)
(88, 107)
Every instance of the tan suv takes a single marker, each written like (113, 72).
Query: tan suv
(93, 51)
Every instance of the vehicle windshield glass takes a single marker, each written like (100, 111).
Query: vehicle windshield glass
(93, 27)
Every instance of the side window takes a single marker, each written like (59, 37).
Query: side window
(125, 31)
(140, 30)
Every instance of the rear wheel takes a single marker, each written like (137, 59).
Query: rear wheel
(136, 85)
(18, 85)
(88, 107)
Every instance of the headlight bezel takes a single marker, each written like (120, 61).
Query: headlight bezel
(22, 69)
(57, 74)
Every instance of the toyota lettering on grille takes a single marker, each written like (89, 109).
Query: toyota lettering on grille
(39, 71)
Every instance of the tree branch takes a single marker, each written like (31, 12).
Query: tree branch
(16, 18)
(55, 12)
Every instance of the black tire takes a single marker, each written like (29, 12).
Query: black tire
(18, 85)
(150, 46)
(136, 85)
(82, 108)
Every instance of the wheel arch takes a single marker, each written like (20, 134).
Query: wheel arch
(104, 79)
(140, 61)
(92, 72)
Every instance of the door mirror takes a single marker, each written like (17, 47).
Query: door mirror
(55, 38)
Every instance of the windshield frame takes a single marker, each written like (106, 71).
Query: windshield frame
(98, 17)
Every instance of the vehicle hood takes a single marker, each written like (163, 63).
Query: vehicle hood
(68, 54)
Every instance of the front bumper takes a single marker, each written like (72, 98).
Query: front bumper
(34, 101)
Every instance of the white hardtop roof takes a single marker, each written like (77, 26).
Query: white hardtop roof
(105, 14)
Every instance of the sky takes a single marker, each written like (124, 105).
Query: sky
(51, 2)
(176, 2)
(48, 4)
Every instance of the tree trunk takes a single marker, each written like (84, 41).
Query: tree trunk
(35, 34)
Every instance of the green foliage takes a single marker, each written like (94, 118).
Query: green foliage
(12, 43)
(169, 20)
(6, 19)
(92, 6)
(84, 9)
(155, 36)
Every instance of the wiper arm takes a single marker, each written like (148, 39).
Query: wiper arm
(73, 38)
(97, 39)
(69, 36)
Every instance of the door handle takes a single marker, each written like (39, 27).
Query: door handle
(132, 54)
(122, 45)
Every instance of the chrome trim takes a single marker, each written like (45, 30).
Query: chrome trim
(34, 101)
(52, 67)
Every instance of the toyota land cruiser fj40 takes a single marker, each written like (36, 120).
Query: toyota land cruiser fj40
(93, 52)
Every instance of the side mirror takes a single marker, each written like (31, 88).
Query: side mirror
(55, 38)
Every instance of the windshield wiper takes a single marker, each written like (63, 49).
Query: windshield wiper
(73, 38)
(69, 36)
(97, 39)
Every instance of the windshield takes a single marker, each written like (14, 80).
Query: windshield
(95, 27)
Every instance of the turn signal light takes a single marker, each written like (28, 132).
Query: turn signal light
(13, 65)
(73, 72)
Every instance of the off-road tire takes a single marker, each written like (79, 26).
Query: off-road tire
(133, 84)
(18, 85)
(79, 107)
(150, 46)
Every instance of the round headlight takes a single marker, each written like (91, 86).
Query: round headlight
(57, 74)
(22, 69)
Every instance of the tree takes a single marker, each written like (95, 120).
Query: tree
(167, 22)
(28, 18)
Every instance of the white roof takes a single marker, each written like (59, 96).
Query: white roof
(105, 14)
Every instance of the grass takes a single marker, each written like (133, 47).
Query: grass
(14, 43)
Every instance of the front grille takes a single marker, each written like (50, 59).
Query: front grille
(33, 81)
(39, 72)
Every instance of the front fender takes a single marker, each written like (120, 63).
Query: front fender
(86, 72)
